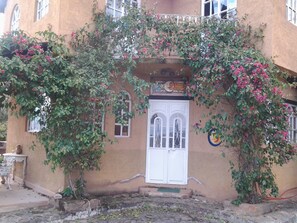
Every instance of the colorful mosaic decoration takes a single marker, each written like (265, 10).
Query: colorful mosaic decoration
(176, 88)
(213, 138)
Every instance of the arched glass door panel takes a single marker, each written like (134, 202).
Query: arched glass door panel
(158, 131)
(177, 132)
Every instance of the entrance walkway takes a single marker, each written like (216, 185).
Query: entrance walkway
(19, 198)
(133, 208)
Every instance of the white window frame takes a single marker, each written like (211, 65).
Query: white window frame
(129, 121)
(120, 10)
(34, 124)
(291, 6)
(42, 7)
(15, 19)
(292, 132)
(102, 118)
(230, 11)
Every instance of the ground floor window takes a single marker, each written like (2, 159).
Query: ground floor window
(38, 122)
(123, 121)
(292, 133)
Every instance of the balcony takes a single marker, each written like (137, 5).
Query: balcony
(226, 15)
(180, 18)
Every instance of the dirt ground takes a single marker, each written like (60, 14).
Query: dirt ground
(136, 208)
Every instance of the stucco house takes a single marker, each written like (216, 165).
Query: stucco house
(196, 164)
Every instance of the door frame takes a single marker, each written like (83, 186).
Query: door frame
(186, 160)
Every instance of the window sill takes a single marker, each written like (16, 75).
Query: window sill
(33, 131)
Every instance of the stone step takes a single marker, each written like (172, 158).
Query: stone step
(166, 192)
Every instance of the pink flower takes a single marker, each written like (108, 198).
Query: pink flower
(144, 50)
(259, 97)
(264, 75)
(277, 91)
(243, 81)
(48, 58)
(125, 55)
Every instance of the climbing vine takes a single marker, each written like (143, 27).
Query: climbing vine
(230, 77)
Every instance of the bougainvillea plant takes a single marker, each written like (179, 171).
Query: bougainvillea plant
(230, 77)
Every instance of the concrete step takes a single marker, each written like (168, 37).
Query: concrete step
(166, 192)
(19, 198)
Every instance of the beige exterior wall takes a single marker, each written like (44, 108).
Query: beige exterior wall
(126, 159)
(28, 16)
(39, 176)
(284, 38)
(64, 16)
(259, 12)
(280, 34)
(123, 165)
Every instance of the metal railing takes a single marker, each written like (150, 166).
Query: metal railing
(226, 15)
(180, 18)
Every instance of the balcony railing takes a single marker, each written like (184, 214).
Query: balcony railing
(180, 18)
(226, 15)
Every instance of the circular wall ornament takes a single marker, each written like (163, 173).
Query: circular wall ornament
(213, 138)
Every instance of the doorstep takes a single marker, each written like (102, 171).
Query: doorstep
(165, 192)
(19, 198)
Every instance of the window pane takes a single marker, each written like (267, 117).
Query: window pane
(118, 4)
(231, 4)
(117, 130)
(177, 127)
(224, 15)
(122, 116)
(158, 132)
(134, 4)
(164, 135)
(215, 7)
(118, 14)
(109, 11)
(207, 9)
(15, 19)
(33, 125)
(125, 130)
(290, 15)
(223, 5)
(110, 3)
(170, 142)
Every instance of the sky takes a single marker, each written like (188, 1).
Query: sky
(1, 23)
(2, 7)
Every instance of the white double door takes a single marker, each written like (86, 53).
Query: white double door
(167, 142)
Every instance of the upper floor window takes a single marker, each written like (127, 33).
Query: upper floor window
(292, 133)
(222, 8)
(42, 8)
(291, 11)
(116, 8)
(15, 19)
(123, 121)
